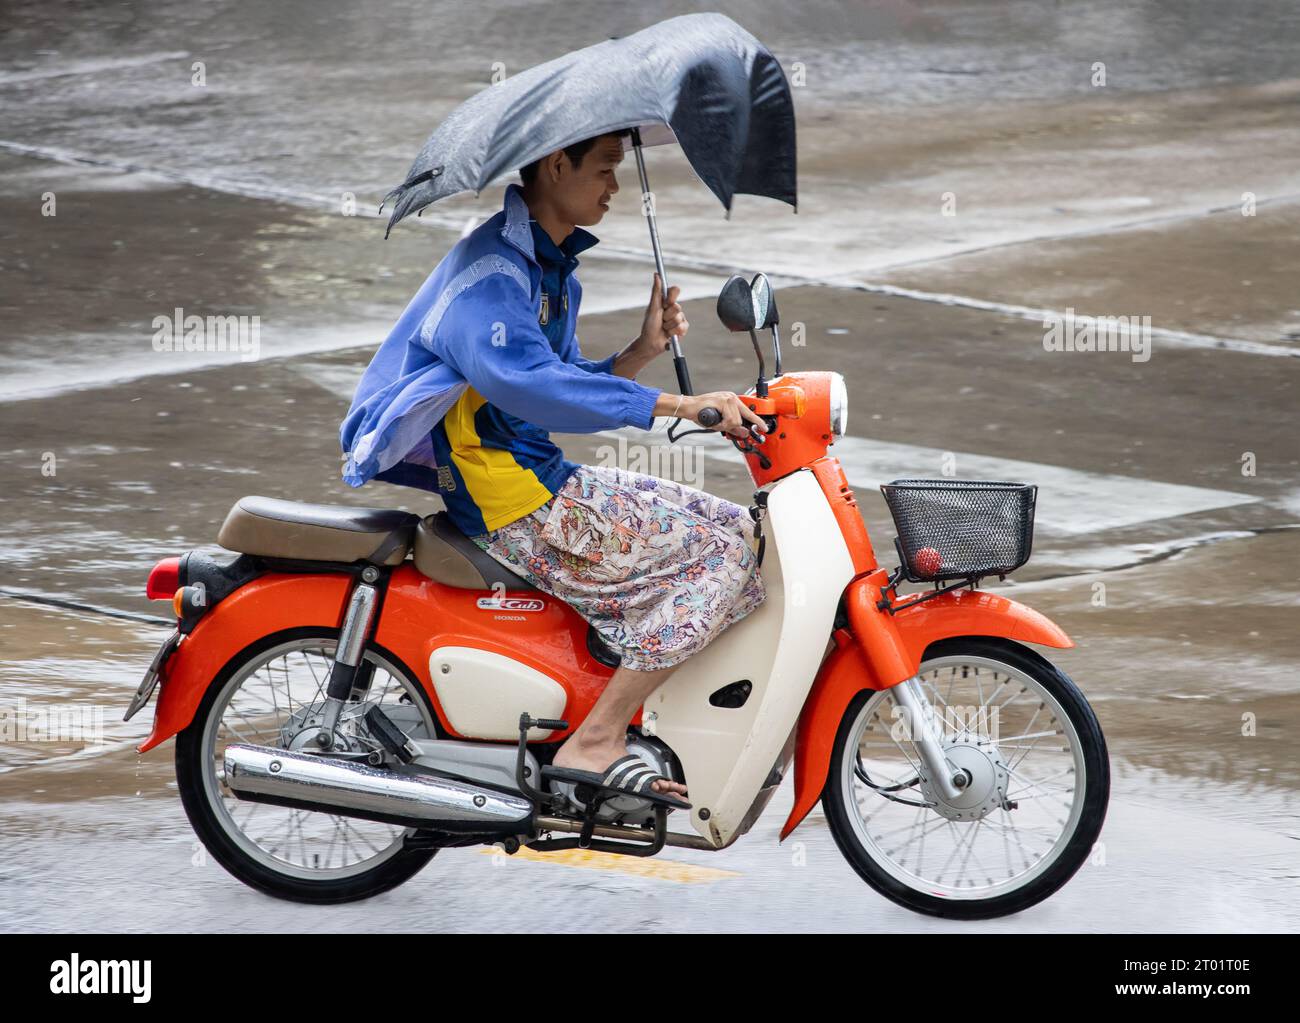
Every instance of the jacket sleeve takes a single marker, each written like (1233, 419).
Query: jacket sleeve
(572, 353)
(489, 334)
(603, 366)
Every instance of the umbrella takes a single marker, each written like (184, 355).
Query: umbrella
(699, 80)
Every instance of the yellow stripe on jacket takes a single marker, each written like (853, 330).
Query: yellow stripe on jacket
(503, 489)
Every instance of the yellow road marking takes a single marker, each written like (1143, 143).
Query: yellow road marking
(663, 870)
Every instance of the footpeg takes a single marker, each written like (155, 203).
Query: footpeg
(550, 724)
(555, 803)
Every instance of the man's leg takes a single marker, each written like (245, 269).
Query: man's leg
(709, 506)
(602, 737)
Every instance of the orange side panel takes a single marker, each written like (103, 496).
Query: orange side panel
(417, 616)
(848, 671)
(420, 615)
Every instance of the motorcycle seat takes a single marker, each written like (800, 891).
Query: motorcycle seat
(446, 555)
(272, 528)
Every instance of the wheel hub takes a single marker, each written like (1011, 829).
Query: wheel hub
(302, 731)
(987, 776)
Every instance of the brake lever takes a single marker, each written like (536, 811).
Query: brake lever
(770, 423)
(747, 447)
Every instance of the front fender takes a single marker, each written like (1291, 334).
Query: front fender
(848, 671)
(268, 604)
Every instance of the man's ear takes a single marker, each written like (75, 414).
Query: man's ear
(553, 165)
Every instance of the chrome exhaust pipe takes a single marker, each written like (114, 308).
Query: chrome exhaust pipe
(264, 774)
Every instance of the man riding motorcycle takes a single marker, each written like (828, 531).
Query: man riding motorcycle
(460, 396)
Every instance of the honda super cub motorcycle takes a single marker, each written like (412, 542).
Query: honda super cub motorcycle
(360, 688)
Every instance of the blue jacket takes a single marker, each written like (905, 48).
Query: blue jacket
(474, 323)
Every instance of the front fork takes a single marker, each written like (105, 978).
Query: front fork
(875, 629)
(349, 675)
(927, 736)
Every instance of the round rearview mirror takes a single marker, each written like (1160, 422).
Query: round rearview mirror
(765, 314)
(736, 305)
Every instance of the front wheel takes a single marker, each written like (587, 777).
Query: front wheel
(1039, 782)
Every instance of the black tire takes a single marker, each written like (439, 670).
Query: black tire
(1067, 862)
(191, 762)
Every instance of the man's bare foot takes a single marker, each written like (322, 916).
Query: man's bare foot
(596, 757)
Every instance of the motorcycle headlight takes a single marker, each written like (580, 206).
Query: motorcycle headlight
(839, 406)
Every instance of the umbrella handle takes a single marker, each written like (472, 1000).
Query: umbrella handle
(683, 374)
(679, 360)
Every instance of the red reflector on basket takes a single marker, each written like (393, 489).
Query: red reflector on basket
(927, 561)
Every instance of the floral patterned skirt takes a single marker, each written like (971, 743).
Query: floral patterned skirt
(658, 568)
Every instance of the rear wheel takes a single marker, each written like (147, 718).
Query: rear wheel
(1039, 785)
(267, 696)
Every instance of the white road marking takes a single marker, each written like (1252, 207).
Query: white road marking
(680, 260)
(1070, 501)
(89, 67)
(1024, 312)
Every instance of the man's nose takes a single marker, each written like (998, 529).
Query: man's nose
(613, 185)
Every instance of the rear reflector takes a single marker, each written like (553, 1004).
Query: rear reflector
(164, 580)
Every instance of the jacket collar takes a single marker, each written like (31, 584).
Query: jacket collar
(561, 255)
(518, 231)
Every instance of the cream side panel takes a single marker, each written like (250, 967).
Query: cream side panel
(728, 753)
(483, 693)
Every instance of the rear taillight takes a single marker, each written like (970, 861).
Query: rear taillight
(164, 580)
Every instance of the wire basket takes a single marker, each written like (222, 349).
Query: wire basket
(961, 529)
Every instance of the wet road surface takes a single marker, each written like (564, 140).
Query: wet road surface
(1174, 483)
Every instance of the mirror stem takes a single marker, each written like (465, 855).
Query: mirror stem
(760, 389)
(776, 347)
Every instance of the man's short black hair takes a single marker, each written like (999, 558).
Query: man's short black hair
(575, 153)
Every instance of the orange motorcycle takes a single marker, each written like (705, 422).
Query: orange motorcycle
(361, 688)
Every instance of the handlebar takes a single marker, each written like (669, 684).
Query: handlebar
(710, 417)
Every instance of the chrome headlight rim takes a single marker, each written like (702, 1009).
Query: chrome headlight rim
(839, 401)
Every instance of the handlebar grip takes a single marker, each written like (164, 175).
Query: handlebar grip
(709, 416)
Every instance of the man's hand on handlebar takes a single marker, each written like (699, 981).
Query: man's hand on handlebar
(737, 417)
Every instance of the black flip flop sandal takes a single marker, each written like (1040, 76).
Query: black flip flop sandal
(628, 776)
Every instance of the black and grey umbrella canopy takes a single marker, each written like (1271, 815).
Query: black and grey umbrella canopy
(717, 89)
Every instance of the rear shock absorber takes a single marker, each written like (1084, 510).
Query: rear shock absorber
(348, 657)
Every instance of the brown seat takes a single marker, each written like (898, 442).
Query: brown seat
(448, 556)
(317, 532)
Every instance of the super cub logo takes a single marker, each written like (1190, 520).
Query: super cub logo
(510, 604)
